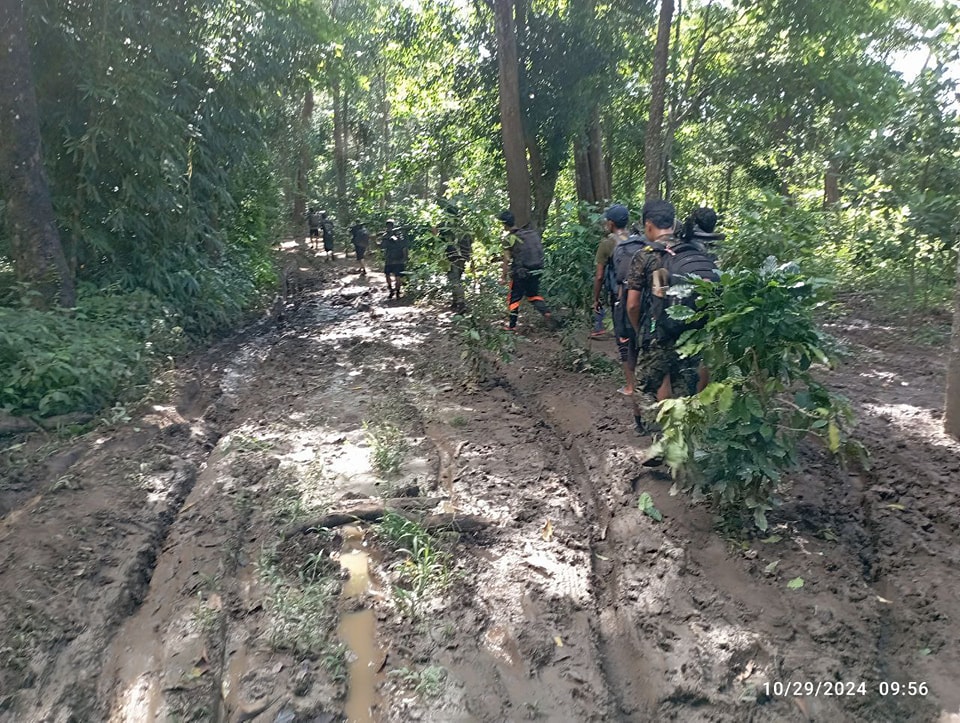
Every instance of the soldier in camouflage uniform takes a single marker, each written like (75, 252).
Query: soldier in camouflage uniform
(458, 249)
(658, 362)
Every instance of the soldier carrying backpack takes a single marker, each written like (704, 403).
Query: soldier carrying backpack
(624, 245)
(523, 251)
(655, 282)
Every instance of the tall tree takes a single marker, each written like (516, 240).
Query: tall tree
(951, 407)
(35, 241)
(653, 140)
(514, 148)
(306, 157)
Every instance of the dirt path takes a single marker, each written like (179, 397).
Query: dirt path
(145, 573)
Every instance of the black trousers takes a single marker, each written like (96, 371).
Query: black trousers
(524, 284)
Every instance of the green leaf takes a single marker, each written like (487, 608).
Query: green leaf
(772, 567)
(795, 584)
(833, 437)
(772, 539)
(760, 518)
(645, 504)
(725, 398)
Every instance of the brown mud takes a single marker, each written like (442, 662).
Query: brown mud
(144, 575)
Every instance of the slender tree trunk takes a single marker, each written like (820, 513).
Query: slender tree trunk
(544, 185)
(34, 240)
(831, 184)
(339, 144)
(583, 177)
(653, 142)
(727, 188)
(598, 169)
(951, 406)
(303, 169)
(592, 178)
(518, 178)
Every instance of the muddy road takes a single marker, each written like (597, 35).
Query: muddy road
(174, 566)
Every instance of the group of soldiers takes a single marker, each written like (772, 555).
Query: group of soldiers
(635, 268)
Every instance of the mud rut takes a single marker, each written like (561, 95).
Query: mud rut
(148, 579)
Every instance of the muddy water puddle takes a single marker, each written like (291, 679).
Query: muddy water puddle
(357, 630)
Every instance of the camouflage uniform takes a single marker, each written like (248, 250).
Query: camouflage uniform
(458, 252)
(657, 358)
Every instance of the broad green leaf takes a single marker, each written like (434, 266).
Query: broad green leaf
(795, 584)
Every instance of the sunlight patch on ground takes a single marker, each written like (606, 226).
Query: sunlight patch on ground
(915, 421)
(140, 701)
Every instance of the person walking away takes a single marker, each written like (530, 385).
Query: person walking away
(395, 253)
(326, 228)
(664, 262)
(458, 250)
(313, 224)
(700, 229)
(603, 289)
(523, 257)
(618, 267)
(361, 241)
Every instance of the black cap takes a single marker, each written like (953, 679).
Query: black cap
(618, 214)
(507, 217)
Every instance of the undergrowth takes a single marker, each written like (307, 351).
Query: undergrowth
(425, 566)
(103, 351)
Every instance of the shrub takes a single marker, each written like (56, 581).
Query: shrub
(733, 441)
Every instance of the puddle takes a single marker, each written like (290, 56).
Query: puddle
(357, 630)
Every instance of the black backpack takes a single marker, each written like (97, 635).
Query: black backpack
(528, 249)
(327, 228)
(618, 267)
(681, 262)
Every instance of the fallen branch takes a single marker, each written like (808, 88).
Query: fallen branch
(411, 508)
(363, 511)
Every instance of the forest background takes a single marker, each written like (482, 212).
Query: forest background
(153, 155)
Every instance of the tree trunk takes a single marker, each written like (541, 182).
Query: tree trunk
(598, 169)
(583, 177)
(544, 185)
(518, 178)
(831, 184)
(951, 406)
(34, 240)
(303, 170)
(339, 145)
(653, 141)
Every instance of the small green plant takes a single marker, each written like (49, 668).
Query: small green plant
(424, 567)
(239, 442)
(575, 357)
(427, 683)
(389, 445)
(206, 617)
(301, 617)
(484, 344)
(334, 659)
(646, 506)
(733, 441)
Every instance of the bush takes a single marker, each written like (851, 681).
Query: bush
(570, 253)
(59, 361)
(733, 441)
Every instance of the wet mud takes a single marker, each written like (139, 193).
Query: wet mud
(147, 572)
